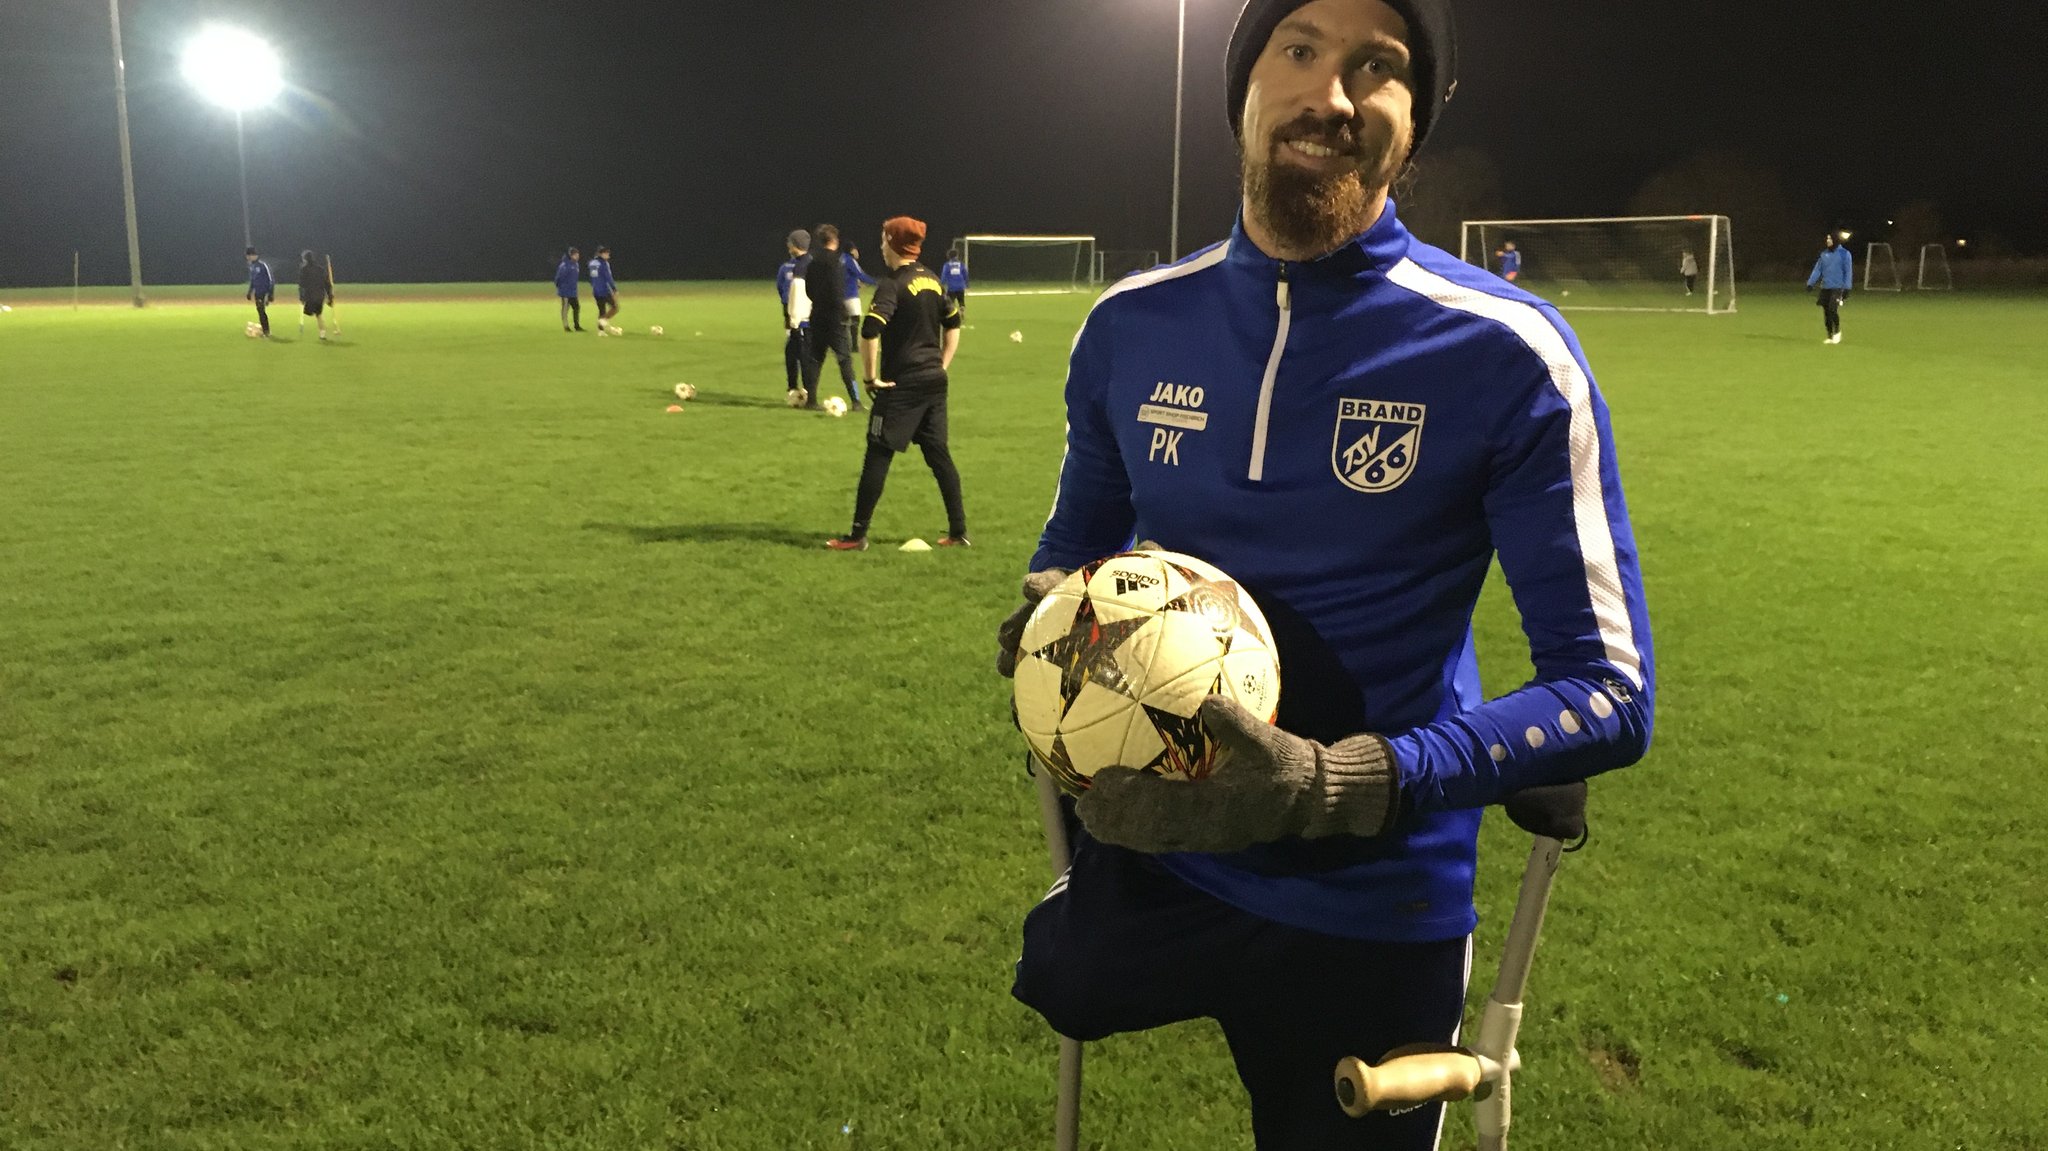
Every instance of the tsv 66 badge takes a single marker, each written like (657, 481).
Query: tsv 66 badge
(1377, 443)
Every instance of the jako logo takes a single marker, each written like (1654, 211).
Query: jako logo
(1179, 395)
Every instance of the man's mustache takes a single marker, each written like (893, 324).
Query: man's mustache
(1342, 136)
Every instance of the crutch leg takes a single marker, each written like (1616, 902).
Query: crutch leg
(1067, 1114)
(1484, 1070)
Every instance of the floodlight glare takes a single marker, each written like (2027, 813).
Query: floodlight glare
(232, 68)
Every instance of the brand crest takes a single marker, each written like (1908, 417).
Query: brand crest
(1376, 444)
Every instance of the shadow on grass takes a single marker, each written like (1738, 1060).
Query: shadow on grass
(713, 534)
(728, 400)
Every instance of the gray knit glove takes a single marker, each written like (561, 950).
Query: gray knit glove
(1011, 632)
(1268, 785)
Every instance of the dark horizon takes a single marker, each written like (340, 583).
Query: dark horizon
(464, 141)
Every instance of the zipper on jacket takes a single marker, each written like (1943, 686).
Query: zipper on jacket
(1285, 296)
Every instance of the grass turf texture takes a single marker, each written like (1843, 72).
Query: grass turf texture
(426, 742)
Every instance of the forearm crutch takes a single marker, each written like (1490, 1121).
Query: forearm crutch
(1438, 1073)
(1067, 1115)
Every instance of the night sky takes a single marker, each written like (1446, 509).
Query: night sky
(434, 140)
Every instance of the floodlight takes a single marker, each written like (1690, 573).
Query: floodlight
(232, 68)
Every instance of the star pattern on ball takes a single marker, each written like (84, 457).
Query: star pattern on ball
(1188, 747)
(1087, 654)
(1206, 597)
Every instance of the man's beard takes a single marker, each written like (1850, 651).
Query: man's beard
(1307, 211)
(1319, 212)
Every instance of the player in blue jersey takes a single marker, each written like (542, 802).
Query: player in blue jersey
(856, 277)
(953, 278)
(567, 289)
(262, 288)
(604, 291)
(796, 310)
(1354, 425)
(1510, 260)
(1835, 273)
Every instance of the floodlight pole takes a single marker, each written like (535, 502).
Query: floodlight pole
(127, 161)
(242, 159)
(1180, 57)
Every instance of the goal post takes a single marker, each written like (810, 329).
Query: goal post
(1113, 264)
(1934, 273)
(1880, 268)
(1614, 263)
(999, 265)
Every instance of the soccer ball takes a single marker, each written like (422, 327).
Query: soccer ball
(686, 391)
(1116, 661)
(1016, 337)
(655, 330)
(252, 330)
(836, 406)
(617, 330)
(794, 397)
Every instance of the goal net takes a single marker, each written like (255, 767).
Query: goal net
(1880, 270)
(1622, 264)
(1021, 265)
(1934, 274)
(1113, 264)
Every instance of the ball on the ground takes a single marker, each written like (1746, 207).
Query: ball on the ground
(1116, 661)
(686, 391)
(655, 330)
(794, 397)
(836, 406)
(1016, 337)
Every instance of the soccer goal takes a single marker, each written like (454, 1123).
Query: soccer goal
(1934, 274)
(1027, 265)
(1113, 264)
(1880, 270)
(1614, 264)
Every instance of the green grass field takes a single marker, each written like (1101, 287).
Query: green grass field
(426, 741)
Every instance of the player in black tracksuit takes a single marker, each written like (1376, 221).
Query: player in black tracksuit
(316, 291)
(825, 286)
(907, 343)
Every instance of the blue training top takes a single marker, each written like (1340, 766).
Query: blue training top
(260, 281)
(601, 277)
(565, 279)
(854, 276)
(953, 276)
(1354, 439)
(784, 276)
(1836, 269)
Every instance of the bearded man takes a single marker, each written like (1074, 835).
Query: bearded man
(1360, 424)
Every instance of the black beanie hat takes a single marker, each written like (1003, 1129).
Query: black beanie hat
(1432, 48)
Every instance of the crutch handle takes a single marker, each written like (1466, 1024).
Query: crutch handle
(1556, 812)
(1409, 1077)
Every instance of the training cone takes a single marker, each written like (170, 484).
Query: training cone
(915, 546)
(675, 407)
